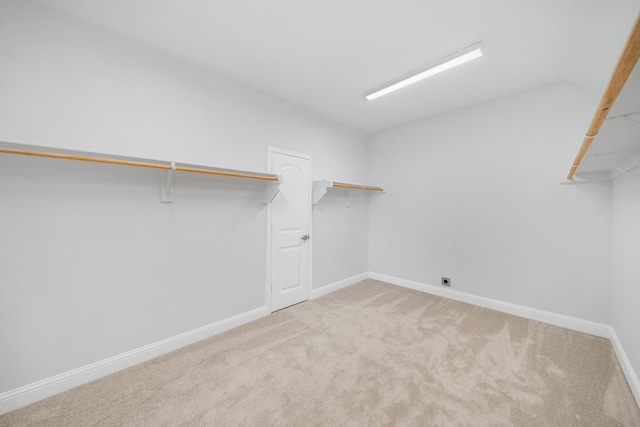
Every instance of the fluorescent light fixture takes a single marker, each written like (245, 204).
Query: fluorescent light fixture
(467, 54)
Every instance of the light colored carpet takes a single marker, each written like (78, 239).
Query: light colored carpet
(369, 354)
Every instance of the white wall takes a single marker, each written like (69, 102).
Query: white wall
(91, 264)
(68, 85)
(626, 266)
(340, 229)
(475, 196)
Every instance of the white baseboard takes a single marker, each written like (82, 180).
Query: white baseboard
(568, 322)
(573, 323)
(625, 364)
(315, 293)
(25, 395)
(22, 396)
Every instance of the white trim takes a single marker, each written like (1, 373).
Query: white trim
(25, 395)
(331, 287)
(272, 149)
(31, 393)
(267, 277)
(625, 364)
(573, 323)
(568, 322)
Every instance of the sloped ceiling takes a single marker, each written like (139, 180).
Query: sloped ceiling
(323, 55)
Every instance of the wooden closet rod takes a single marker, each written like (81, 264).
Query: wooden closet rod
(372, 188)
(137, 163)
(621, 71)
(356, 186)
(344, 185)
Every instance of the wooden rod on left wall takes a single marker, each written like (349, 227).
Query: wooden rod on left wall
(136, 163)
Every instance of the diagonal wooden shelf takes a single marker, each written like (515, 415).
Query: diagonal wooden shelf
(625, 70)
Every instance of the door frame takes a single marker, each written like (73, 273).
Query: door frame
(270, 151)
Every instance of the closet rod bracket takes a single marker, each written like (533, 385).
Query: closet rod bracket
(270, 190)
(166, 186)
(347, 197)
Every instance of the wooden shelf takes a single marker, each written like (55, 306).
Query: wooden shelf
(270, 190)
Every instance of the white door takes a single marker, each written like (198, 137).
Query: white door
(290, 230)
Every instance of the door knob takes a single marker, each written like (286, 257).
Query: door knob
(305, 237)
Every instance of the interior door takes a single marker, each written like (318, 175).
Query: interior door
(290, 230)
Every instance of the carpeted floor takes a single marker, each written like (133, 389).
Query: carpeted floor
(369, 354)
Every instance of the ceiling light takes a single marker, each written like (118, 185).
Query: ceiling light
(450, 61)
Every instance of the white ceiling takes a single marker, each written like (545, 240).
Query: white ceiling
(323, 55)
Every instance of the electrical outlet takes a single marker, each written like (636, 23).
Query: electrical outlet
(446, 281)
